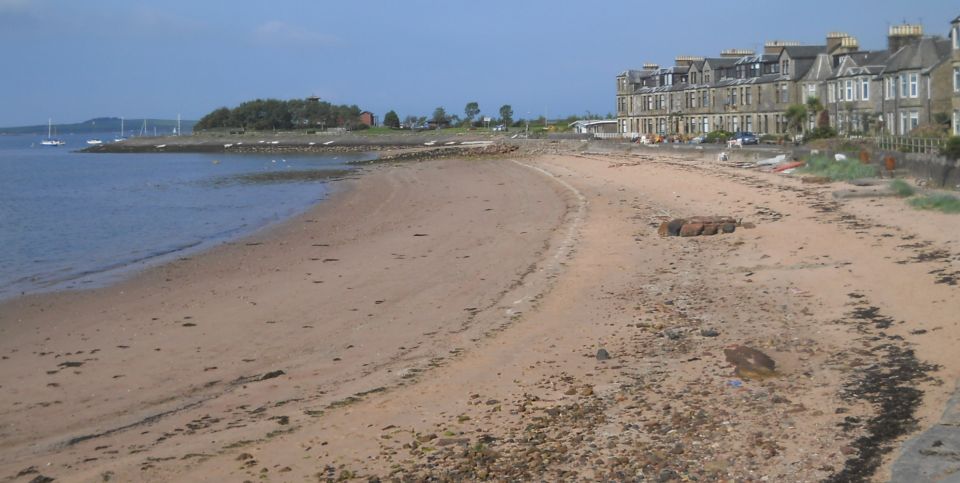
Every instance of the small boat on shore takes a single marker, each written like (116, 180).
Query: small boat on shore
(94, 142)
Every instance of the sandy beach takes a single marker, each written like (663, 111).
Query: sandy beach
(452, 319)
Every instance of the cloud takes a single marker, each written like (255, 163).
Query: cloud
(280, 34)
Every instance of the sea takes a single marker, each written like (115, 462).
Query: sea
(72, 220)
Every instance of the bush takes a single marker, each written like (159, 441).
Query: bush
(823, 132)
(943, 203)
(838, 170)
(951, 149)
(902, 188)
(718, 136)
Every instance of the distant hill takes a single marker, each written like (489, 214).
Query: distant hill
(106, 125)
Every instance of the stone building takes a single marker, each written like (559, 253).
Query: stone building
(914, 81)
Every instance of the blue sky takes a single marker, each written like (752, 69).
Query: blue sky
(74, 60)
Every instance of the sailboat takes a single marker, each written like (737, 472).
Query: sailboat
(50, 141)
(121, 138)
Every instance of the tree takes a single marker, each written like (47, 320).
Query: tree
(439, 116)
(506, 114)
(814, 106)
(410, 121)
(796, 115)
(471, 110)
(217, 118)
(391, 119)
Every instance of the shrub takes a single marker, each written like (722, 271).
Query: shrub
(838, 170)
(943, 203)
(902, 188)
(823, 132)
(718, 136)
(951, 149)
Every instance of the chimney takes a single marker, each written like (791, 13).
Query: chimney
(687, 60)
(774, 47)
(735, 53)
(651, 66)
(834, 40)
(901, 35)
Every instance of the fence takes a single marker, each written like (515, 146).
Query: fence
(906, 144)
(615, 135)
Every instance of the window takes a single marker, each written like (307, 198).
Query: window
(956, 79)
(706, 99)
(749, 123)
(784, 95)
(914, 85)
(749, 97)
(706, 124)
(914, 120)
(956, 42)
(890, 126)
(649, 103)
(956, 122)
(891, 88)
(785, 67)
(849, 90)
(865, 89)
(903, 85)
(832, 92)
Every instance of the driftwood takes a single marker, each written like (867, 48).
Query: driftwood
(698, 226)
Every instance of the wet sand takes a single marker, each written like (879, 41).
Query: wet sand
(444, 318)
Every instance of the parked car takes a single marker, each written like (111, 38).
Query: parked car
(500, 127)
(746, 137)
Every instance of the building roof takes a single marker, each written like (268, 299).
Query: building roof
(821, 69)
(592, 122)
(924, 54)
(720, 62)
(804, 51)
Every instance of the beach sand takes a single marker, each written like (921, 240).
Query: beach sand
(443, 319)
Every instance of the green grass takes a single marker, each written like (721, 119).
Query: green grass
(943, 203)
(902, 188)
(838, 170)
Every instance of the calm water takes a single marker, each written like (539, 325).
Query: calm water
(73, 220)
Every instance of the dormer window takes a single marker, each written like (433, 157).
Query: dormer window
(956, 42)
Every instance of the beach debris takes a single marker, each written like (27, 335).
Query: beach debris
(840, 157)
(698, 226)
(602, 354)
(42, 479)
(783, 168)
(750, 363)
(816, 179)
(772, 161)
(271, 375)
(673, 334)
(709, 332)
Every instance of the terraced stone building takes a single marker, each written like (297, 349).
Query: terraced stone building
(914, 81)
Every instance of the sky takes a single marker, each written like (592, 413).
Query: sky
(75, 60)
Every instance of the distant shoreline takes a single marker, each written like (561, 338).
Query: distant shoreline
(405, 146)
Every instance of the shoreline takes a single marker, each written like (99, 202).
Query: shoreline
(445, 319)
(163, 297)
(118, 271)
